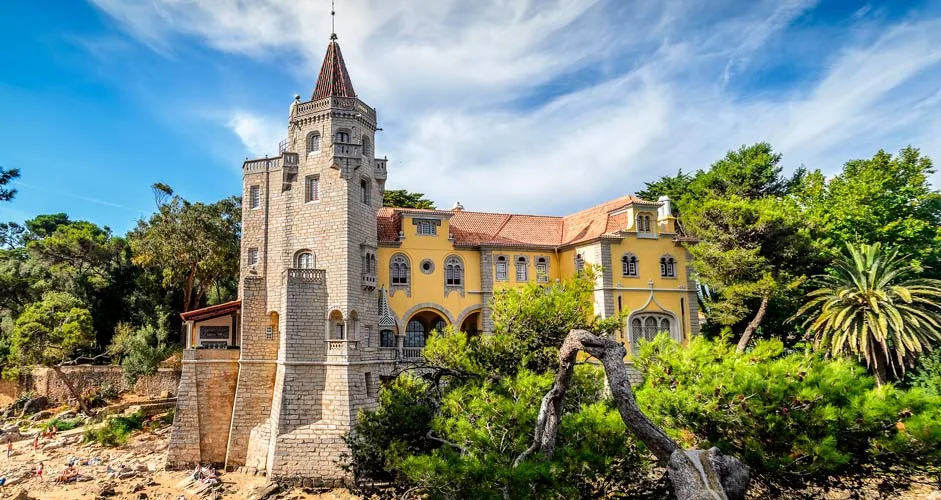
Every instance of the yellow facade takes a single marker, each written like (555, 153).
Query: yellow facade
(651, 290)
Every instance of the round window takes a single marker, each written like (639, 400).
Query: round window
(427, 266)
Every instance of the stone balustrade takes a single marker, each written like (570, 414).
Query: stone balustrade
(316, 276)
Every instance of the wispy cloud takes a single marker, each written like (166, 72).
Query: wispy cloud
(547, 106)
(59, 192)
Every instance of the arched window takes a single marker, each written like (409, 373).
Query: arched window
(579, 264)
(453, 272)
(647, 326)
(522, 269)
(667, 267)
(272, 329)
(337, 327)
(629, 265)
(542, 270)
(313, 142)
(643, 223)
(399, 270)
(415, 334)
(304, 259)
(343, 136)
(501, 268)
(367, 147)
(439, 326)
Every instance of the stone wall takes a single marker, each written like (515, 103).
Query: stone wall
(44, 381)
(204, 408)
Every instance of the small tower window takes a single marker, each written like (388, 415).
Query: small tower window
(364, 188)
(643, 223)
(667, 267)
(367, 147)
(542, 270)
(252, 258)
(501, 268)
(304, 260)
(313, 143)
(312, 188)
(343, 136)
(254, 197)
(629, 265)
(522, 269)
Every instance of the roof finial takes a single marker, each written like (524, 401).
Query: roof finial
(333, 20)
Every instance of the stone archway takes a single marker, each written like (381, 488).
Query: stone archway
(417, 329)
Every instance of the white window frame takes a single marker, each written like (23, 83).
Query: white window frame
(252, 257)
(502, 268)
(522, 270)
(254, 197)
(302, 255)
(542, 270)
(426, 228)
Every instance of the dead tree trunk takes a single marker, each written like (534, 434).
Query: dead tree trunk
(695, 474)
(753, 324)
(65, 380)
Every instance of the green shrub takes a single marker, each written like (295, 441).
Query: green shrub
(795, 419)
(927, 373)
(64, 424)
(115, 431)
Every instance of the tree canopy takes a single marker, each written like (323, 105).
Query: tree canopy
(6, 177)
(401, 198)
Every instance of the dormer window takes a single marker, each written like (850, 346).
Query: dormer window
(426, 228)
(643, 223)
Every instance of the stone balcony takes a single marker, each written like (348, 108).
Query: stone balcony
(344, 348)
(347, 150)
(381, 164)
(315, 276)
(369, 281)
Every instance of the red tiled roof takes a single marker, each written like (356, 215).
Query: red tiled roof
(334, 79)
(483, 228)
(212, 311)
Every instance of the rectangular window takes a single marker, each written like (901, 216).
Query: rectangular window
(542, 272)
(312, 188)
(339, 332)
(269, 333)
(254, 197)
(364, 188)
(367, 333)
(386, 338)
(521, 271)
(427, 228)
(252, 256)
(501, 271)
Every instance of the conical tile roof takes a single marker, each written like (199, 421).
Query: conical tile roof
(334, 79)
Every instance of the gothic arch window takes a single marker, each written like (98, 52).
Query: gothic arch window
(501, 268)
(313, 143)
(453, 273)
(369, 262)
(646, 327)
(400, 272)
(304, 259)
(579, 264)
(542, 270)
(415, 334)
(667, 266)
(522, 269)
(643, 223)
(629, 265)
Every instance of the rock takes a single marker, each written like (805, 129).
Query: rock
(65, 415)
(33, 405)
(106, 490)
(20, 495)
(164, 394)
(42, 415)
(264, 491)
(142, 496)
(13, 430)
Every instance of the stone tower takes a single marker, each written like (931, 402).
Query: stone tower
(309, 339)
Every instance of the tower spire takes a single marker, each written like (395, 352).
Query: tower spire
(334, 79)
(333, 20)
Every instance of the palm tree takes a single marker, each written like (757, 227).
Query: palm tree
(875, 306)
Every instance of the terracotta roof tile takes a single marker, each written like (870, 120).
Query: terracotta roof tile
(334, 79)
(484, 228)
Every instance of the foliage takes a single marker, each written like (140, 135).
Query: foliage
(115, 431)
(401, 198)
(194, 246)
(874, 306)
(927, 373)
(7, 176)
(140, 350)
(795, 419)
(396, 429)
(64, 424)
(885, 199)
(480, 403)
(52, 330)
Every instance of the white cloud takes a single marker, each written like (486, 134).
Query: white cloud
(629, 91)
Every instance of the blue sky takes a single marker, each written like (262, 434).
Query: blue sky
(526, 106)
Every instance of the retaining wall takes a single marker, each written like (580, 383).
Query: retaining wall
(43, 381)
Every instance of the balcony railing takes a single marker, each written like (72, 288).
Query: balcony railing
(369, 281)
(347, 150)
(335, 346)
(316, 276)
(411, 353)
